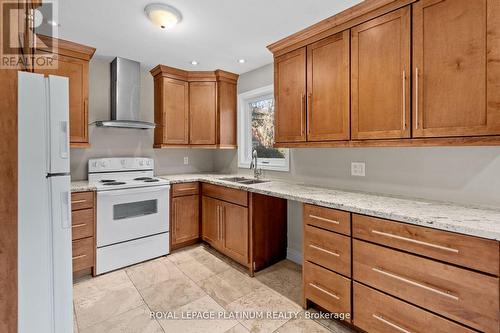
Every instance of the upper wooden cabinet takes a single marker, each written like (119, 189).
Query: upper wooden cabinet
(328, 89)
(456, 67)
(380, 90)
(290, 96)
(194, 109)
(407, 87)
(171, 98)
(203, 113)
(73, 63)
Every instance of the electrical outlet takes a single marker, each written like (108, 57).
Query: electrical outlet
(358, 169)
(186, 160)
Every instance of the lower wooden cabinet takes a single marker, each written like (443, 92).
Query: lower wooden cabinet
(376, 312)
(405, 278)
(83, 232)
(225, 227)
(250, 228)
(185, 219)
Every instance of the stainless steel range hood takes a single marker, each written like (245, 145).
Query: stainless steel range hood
(125, 96)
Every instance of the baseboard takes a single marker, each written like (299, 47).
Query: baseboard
(294, 255)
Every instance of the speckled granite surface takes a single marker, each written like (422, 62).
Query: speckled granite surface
(475, 221)
(81, 186)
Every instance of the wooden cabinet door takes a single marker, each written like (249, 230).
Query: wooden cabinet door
(235, 231)
(77, 72)
(290, 97)
(328, 89)
(211, 221)
(380, 70)
(185, 219)
(203, 108)
(174, 108)
(456, 57)
(227, 115)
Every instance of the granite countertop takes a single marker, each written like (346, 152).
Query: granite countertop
(81, 186)
(470, 220)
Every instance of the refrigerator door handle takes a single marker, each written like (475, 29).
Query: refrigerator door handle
(65, 210)
(63, 139)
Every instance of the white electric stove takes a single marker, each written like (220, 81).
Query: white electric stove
(132, 212)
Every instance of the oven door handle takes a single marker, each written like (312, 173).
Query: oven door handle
(153, 189)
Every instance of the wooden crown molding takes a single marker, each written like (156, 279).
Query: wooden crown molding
(68, 48)
(193, 76)
(340, 20)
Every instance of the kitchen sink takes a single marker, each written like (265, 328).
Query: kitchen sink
(244, 180)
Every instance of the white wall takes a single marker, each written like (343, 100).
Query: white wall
(468, 175)
(109, 142)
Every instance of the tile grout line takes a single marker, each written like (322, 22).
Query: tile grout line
(142, 297)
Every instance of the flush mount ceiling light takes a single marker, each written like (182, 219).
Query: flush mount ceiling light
(194, 62)
(241, 61)
(162, 15)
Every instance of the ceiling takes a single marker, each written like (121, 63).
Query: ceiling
(216, 33)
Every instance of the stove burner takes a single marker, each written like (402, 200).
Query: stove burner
(108, 180)
(152, 180)
(143, 178)
(114, 183)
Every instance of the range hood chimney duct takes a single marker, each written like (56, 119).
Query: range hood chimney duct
(125, 96)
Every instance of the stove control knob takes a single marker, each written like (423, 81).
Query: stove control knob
(141, 162)
(148, 162)
(104, 164)
(94, 164)
(123, 162)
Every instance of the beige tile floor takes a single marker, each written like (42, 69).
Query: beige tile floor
(189, 280)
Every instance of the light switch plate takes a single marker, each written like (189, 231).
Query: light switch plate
(186, 160)
(358, 169)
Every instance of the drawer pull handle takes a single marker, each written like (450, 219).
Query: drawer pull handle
(386, 234)
(324, 250)
(79, 225)
(388, 323)
(186, 189)
(323, 219)
(416, 284)
(78, 201)
(324, 291)
(79, 257)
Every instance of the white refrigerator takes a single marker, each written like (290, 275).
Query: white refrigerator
(45, 301)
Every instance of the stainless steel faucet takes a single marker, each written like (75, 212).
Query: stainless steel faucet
(256, 172)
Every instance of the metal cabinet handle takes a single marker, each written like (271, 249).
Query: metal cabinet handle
(388, 323)
(309, 112)
(416, 97)
(410, 240)
(416, 284)
(79, 225)
(218, 221)
(186, 189)
(323, 219)
(324, 250)
(78, 201)
(404, 100)
(79, 257)
(302, 112)
(323, 290)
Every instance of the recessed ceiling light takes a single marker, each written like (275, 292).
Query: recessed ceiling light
(162, 15)
(194, 62)
(242, 61)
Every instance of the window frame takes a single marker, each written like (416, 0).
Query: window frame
(245, 135)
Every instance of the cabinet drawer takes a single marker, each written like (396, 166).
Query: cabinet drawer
(83, 254)
(82, 200)
(82, 223)
(327, 289)
(185, 189)
(471, 252)
(376, 312)
(226, 194)
(467, 297)
(327, 218)
(328, 249)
